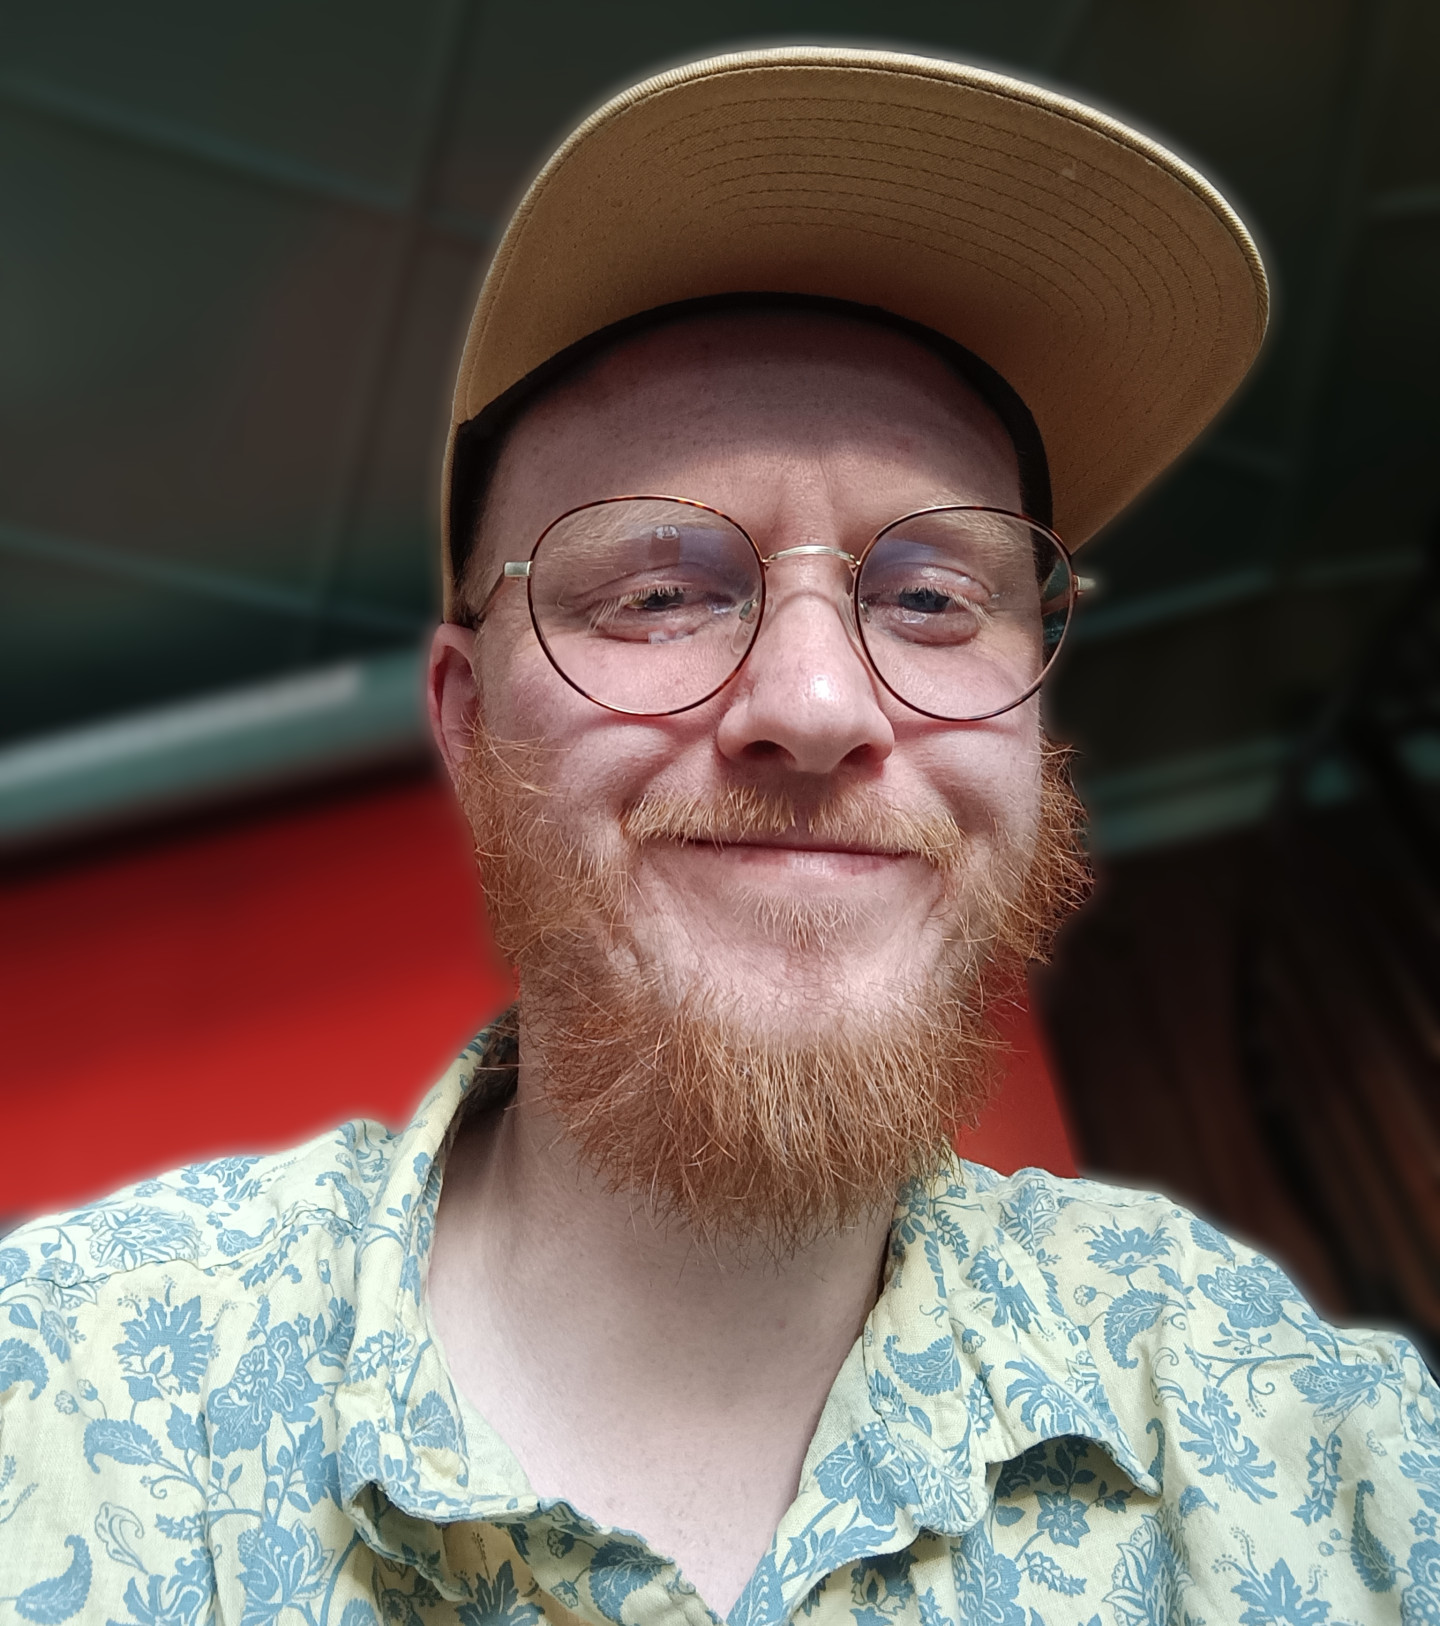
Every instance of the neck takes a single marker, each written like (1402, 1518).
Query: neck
(655, 1384)
(519, 1208)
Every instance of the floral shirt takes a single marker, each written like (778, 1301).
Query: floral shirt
(221, 1401)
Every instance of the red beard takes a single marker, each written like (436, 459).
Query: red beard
(743, 1136)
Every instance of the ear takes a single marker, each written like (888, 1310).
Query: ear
(451, 696)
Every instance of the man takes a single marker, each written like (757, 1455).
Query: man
(672, 1302)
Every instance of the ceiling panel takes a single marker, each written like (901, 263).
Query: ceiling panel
(340, 93)
(184, 351)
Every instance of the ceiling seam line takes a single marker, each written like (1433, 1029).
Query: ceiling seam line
(233, 158)
(107, 560)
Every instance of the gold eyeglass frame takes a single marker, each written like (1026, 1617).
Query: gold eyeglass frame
(522, 569)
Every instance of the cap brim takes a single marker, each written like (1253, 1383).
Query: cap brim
(1105, 279)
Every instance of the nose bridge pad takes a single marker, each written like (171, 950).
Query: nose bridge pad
(847, 617)
(743, 632)
(845, 607)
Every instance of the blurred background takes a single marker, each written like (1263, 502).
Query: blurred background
(238, 247)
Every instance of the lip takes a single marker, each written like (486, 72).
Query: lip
(792, 858)
(797, 842)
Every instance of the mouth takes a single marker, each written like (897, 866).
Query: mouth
(790, 859)
(846, 835)
(796, 841)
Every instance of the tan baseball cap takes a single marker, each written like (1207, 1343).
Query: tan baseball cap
(1106, 281)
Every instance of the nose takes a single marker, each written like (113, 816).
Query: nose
(806, 694)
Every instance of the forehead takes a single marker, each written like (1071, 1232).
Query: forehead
(824, 373)
(726, 405)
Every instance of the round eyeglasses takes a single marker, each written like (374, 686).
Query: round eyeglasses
(650, 605)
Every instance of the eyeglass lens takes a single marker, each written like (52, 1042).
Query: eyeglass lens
(649, 605)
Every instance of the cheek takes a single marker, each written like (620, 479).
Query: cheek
(522, 697)
(591, 763)
(992, 777)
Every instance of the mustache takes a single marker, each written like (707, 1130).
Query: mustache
(846, 818)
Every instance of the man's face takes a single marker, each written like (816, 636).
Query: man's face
(804, 430)
(797, 955)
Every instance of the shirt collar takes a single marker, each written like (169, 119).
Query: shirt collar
(967, 1360)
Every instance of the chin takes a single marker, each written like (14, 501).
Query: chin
(794, 925)
(801, 975)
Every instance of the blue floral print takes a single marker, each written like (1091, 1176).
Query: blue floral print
(869, 1472)
(1061, 1518)
(271, 1380)
(1250, 1295)
(1071, 1406)
(164, 1351)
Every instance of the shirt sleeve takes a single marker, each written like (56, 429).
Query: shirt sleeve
(1299, 1462)
(47, 1510)
(1305, 1457)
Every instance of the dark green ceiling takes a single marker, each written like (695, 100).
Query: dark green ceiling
(238, 245)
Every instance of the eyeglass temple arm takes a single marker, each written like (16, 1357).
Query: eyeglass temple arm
(514, 569)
